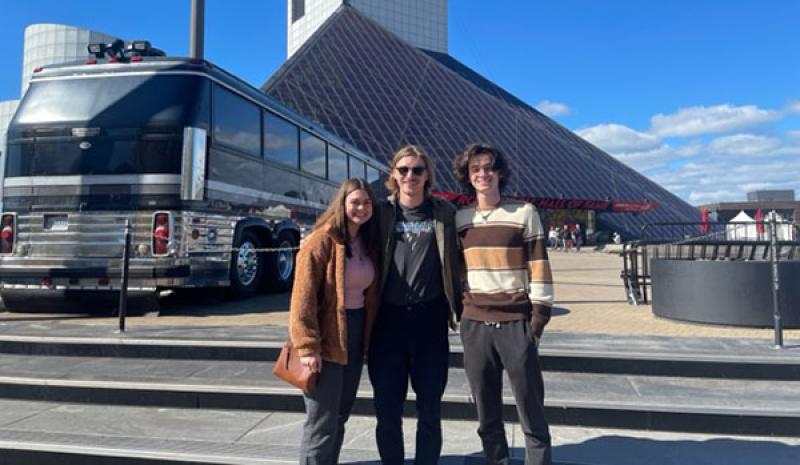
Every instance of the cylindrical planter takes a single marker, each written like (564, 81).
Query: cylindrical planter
(735, 293)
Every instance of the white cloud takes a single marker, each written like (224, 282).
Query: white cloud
(690, 149)
(699, 120)
(729, 178)
(699, 198)
(744, 144)
(793, 107)
(647, 159)
(677, 154)
(616, 138)
(553, 109)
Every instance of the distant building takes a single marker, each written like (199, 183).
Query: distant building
(7, 109)
(771, 196)
(782, 201)
(379, 90)
(46, 44)
(421, 23)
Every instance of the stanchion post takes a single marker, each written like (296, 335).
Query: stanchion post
(773, 255)
(123, 280)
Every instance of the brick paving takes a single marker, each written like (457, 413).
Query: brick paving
(590, 298)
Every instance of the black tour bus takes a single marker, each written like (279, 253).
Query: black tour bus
(205, 168)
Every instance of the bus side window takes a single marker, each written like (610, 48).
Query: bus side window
(280, 141)
(337, 165)
(357, 168)
(312, 154)
(372, 174)
(237, 122)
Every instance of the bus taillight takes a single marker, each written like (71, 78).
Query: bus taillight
(161, 233)
(7, 234)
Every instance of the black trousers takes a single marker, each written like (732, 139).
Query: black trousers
(409, 342)
(328, 406)
(488, 350)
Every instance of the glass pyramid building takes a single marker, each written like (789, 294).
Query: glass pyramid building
(379, 93)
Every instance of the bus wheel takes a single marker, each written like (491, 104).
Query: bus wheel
(247, 266)
(281, 265)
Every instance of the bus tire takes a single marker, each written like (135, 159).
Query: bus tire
(281, 265)
(247, 266)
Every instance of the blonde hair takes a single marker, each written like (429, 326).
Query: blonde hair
(410, 151)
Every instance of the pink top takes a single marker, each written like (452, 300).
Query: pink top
(358, 275)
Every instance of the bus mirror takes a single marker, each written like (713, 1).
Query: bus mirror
(193, 166)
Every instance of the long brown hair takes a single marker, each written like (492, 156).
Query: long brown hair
(335, 218)
(410, 151)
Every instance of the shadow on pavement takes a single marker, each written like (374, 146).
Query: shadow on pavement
(559, 311)
(623, 450)
(8, 316)
(214, 301)
(597, 301)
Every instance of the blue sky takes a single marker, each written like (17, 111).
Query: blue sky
(702, 96)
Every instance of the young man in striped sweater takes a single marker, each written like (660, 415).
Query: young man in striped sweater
(507, 300)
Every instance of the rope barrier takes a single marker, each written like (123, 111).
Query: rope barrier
(261, 250)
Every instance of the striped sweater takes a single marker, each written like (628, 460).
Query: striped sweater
(508, 273)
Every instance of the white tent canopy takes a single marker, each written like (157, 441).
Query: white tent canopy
(740, 229)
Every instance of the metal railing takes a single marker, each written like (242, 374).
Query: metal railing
(770, 240)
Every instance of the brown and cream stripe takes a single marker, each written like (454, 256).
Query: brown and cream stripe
(508, 274)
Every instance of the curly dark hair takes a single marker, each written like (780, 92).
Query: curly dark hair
(499, 163)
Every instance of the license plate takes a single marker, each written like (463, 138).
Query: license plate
(55, 222)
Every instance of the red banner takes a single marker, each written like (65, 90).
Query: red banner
(617, 206)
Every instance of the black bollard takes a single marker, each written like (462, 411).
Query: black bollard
(773, 255)
(123, 284)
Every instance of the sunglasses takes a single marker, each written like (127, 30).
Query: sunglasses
(417, 170)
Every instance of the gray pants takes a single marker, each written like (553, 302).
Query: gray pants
(328, 406)
(488, 349)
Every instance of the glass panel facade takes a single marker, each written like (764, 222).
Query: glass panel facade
(236, 122)
(353, 80)
(337, 164)
(280, 140)
(312, 154)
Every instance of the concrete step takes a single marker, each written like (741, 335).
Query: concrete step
(588, 399)
(593, 353)
(78, 434)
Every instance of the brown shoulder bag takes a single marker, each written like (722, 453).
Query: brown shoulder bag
(289, 369)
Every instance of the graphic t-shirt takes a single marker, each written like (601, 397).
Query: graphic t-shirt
(415, 274)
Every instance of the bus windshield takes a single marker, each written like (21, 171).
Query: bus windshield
(135, 122)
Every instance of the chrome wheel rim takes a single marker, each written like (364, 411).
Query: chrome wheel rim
(285, 261)
(247, 263)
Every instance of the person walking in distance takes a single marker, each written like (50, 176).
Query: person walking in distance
(420, 297)
(507, 301)
(333, 306)
(566, 238)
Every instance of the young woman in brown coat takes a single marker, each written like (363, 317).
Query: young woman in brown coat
(333, 306)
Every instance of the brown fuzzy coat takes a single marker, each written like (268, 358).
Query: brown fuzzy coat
(317, 319)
